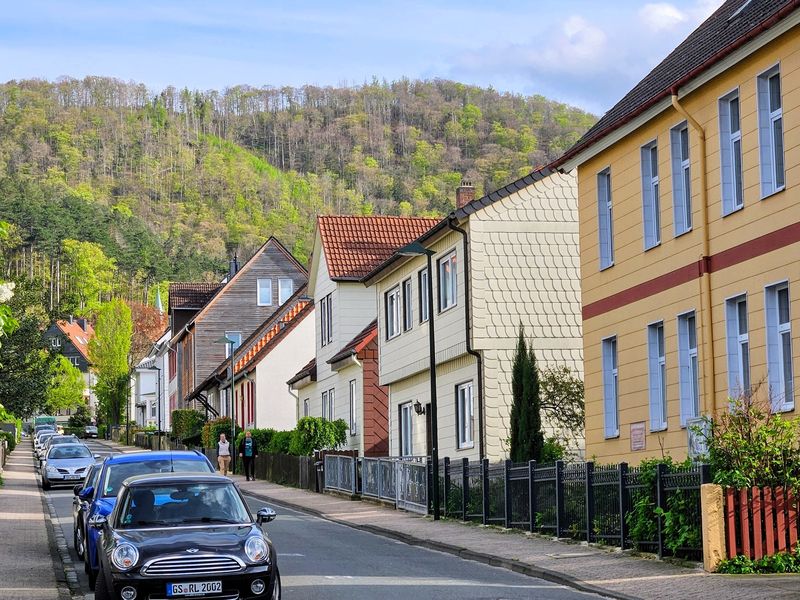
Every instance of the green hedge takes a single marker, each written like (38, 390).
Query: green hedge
(9, 437)
(187, 423)
(213, 428)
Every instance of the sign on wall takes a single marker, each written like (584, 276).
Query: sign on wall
(637, 436)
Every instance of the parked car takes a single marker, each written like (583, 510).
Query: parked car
(154, 541)
(41, 440)
(55, 440)
(80, 508)
(103, 497)
(90, 431)
(65, 463)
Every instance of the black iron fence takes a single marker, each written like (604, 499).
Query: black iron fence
(653, 508)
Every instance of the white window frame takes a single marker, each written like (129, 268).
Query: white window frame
(738, 346)
(656, 350)
(405, 428)
(326, 320)
(353, 408)
(408, 305)
(651, 206)
(731, 171)
(325, 405)
(55, 342)
(393, 307)
(448, 281)
(424, 281)
(75, 361)
(605, 219)
(306, 407)
(610, 387)
(779, 344)
(264, 284)
(236, 336)
(688, 367)
(283, 293)
(328, 404)
(681, 179)
(770, 141)
(464, 416)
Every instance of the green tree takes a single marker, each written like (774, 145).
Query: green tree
(533, 439)
(25, 376)
(109, 352)
(81, 417)
(66, 385)
(517, 407)
(527, 439)
(90, 272)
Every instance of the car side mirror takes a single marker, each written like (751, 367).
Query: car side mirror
(77, 489)
(85, 493)
(265, 515)
(97, 521)
(96, 456)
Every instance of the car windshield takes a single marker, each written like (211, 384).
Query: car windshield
(176, 504)
(90, 428)
(44, 437)
(69, 451)
(62, 439)
(116, 474)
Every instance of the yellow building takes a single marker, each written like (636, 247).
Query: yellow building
(690, 235)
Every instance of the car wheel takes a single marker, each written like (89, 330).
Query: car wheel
(90, 573)
(276, 590)
(100, 588)
(79, 542)
(46, 484)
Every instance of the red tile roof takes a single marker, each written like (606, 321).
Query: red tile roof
(358, 343)
(355, 245)
(191, 295)
(77, 335)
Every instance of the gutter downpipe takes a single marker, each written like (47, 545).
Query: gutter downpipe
(451, 220)
(706, 322)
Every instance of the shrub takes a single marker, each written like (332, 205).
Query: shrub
(10, 438)
(187, 423)
(213, 428)
(263, 437)
(783, 562)
(280, 442)
(315, 433)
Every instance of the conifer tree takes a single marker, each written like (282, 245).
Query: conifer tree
(517, 372)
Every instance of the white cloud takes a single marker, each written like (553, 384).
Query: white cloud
(661, 16)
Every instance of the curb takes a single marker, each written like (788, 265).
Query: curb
(516, 566)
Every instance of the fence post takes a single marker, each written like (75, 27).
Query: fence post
(446, 494)
(589, 500)
(464, 487)
(429, 483)
(705, 474)
(661, 502)
(485, 490)
(559, 497)
(622, 469)
(532, 494)
(507, 494)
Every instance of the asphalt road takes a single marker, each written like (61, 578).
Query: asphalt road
(322, 560)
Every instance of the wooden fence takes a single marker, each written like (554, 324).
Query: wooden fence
(760, 521)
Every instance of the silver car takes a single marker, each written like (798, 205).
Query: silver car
(65, 463)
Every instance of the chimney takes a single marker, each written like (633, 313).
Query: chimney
(82, 323)
(234, 267)
(465, 194)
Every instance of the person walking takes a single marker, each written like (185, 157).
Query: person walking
(223, 454)
(248, 450)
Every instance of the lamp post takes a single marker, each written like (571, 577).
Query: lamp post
(417, 249)
(226, 340)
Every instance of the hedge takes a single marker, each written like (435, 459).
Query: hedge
(9, 437)
(187, 423)
(213, 428)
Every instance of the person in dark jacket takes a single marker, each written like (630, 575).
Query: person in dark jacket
(248, 450)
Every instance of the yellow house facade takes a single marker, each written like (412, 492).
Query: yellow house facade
(690, 236)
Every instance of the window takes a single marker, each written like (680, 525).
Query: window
(658, 377)
(738, 347)
(265, 292)
(406, 415)
(688, 371)
(464, 415)
(306, 411)
(328, 405)
(236, 337)
(408, 306)
(604, 219)
(650, 205)
(392, 313)
(331, 407)
(285, 290)
(681, 179)
(423, 296)
(74, 360)
(779, 347)
(55, 342)
(353, 408)
(610, 392)
(447, 282)
(770, 131)
(730, 154)
(326, 320)
(153, 410)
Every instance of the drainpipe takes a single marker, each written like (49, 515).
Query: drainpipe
(451, 220)
(706, 324)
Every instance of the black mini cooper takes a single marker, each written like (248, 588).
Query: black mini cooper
(184, 535)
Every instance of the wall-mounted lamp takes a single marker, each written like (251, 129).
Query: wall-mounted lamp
(418, 408)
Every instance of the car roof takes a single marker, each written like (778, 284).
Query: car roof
(132, 457)
(177, 477)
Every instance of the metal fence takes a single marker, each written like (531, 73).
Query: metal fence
(340, 473)
(378, 478)
(412, 486)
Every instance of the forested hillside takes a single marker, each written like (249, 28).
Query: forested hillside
(168, 184)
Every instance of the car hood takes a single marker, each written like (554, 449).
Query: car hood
(70, 463)
(225, 539)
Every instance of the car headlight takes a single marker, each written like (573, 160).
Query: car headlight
(256, 549)
(124, 556)
(52, 470)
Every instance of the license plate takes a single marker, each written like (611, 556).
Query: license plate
(195, 588)
(74, 477)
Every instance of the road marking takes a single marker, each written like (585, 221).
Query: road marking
(349, 580)
(289, 554)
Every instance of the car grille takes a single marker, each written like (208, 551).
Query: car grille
(192, 565)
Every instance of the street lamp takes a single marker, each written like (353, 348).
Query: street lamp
(226, 340)
(417, 249)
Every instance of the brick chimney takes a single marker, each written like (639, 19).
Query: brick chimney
(465, 194)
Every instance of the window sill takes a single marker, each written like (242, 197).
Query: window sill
(264, 304)
(682, 233)
(466, 447)
(602, 268)
(648, 248)
(773, 193)
(451, 307)
(734, 211)
(614, 436)
(392, 337)
(659, 429)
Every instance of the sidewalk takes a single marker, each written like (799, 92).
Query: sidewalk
(30, 566)
(607, 572)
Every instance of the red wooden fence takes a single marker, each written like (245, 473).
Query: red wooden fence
(760, 521)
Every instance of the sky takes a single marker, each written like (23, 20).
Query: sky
(587, 53)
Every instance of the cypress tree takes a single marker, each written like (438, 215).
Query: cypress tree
(533, 402)
(517, 372)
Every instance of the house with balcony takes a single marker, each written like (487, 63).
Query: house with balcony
(690, 236)
(70, 337)
(504, 260)
(341, 379)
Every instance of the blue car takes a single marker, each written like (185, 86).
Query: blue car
(103, 496)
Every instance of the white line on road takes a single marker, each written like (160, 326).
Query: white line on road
(328, 580)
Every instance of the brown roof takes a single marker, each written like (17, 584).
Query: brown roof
(355, 245)
(77, 335)
(358, 343)
(191, 295)
(310, 370)
(718, 36)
